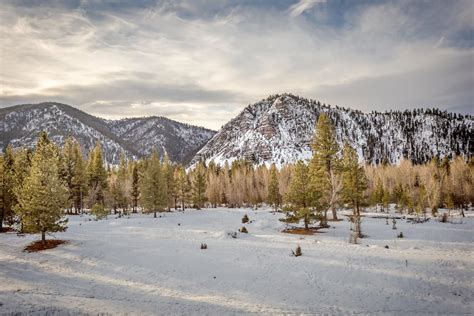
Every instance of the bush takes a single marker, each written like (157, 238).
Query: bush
(245, 219)
(99, 211)
(444, 218)
(297, 252)
(243, 230)
(203, 246)
(400, 235)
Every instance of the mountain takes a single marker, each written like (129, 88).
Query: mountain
(280, 129)
(136, 137)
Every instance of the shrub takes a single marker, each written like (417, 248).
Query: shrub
(444, 218)
(243, 230)
(400, 235)
(297, 252)
(203, 246)
(245, 219)
(99, 211)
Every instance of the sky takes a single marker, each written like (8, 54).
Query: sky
(202, 62)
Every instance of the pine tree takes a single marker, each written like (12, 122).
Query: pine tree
(97, 177)
(324, 168)
(153, 187)
(273, 196)
(354, 183)
(2, 192)
(199, 186)
(378, 194)
(67, 169)
(183, 186)
(8, 183)
(79, 179)
(135, 191)
(168, 172)
(299, 197)
(43, 195)
(122, 185)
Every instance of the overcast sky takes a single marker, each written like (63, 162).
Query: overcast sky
(202, 62)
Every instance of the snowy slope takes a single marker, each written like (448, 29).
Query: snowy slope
(180, 141)
(146, 266)
(21, 124)
(280, 129)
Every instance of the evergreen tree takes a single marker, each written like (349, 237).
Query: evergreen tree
(169, 181)
(97, 177)
(43, 195)
(79, 179)
(273, 196)
(2, 192)
(122, 185)
(8, 183)
(299, 197)
(183, 186)
(135, 191)
(378, 194)
(67, 168)
(354, 183)
(199, 186)
(324, 168)
(153, 187)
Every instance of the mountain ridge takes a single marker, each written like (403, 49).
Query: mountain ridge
(20, 124)
(279, 129)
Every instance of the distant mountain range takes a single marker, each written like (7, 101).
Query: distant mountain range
(136, 137)
(278, 130)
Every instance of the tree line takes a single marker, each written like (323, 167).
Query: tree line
(38, 186)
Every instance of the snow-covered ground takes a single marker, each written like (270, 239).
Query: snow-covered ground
(142, 265)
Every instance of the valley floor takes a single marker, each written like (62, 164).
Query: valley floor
(142, 265)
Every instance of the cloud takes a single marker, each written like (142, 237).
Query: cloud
(303, 5)
(203, 61)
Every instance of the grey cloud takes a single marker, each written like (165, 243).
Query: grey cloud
(201, 61)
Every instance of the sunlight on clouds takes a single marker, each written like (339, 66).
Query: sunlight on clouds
(210, 61)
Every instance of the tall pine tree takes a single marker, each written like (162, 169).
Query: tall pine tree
(97, 178)
(153, 186)
(354, 184)
(299, 197)
(273, 196)
(199, 185)
(324, 167)
(43, 196)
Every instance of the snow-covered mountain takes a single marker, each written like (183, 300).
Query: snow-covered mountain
(21, 124)
(279, 130)
(181, 141)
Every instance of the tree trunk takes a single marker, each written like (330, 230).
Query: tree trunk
(334, 213)
(43, 236)
(154, 215)
(1, 219)
(306, 224)
(325, 218)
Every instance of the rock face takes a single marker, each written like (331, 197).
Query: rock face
(21, 124)
(280, 129)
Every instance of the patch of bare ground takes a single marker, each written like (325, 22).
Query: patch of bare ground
(303, 231)
(7, 230)
(44, 245)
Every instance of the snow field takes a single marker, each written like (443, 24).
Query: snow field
(142, 265)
